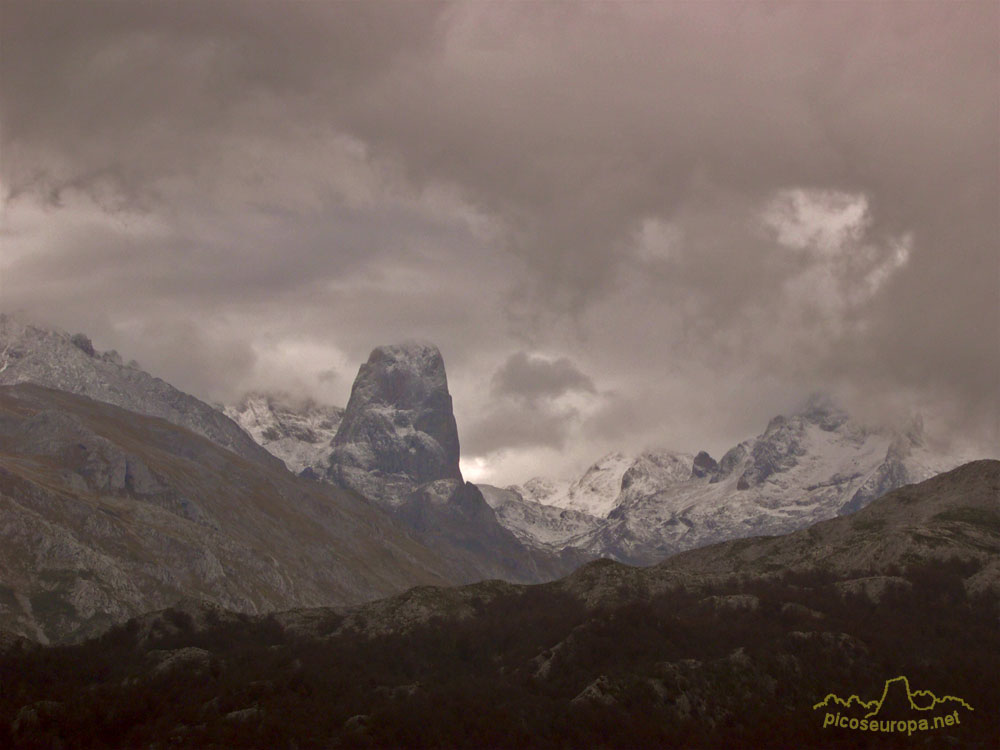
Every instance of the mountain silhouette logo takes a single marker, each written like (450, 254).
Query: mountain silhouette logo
(900, 708)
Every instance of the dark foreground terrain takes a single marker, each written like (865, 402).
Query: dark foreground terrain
(679, 655)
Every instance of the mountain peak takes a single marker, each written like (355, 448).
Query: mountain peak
(398, 429)
(408, 349)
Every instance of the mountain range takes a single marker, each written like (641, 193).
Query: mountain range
(816, 463)
(123, 494)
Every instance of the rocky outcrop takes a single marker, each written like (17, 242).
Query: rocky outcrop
(398, 430)
(732, 459)
(776, 451)
(704, 466)
(398, 445)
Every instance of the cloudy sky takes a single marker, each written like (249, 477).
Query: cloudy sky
(624, 224)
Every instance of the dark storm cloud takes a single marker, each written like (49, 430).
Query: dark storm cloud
(119, 96)
(531, 378)
(503, 177)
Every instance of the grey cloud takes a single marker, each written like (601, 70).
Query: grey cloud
(532, 377)
(512, 425)
(287, 156)
(524, 411)
(187, 353)
(134, 94)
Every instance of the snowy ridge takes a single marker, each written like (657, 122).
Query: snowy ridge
(594, 493)
(54, 359)
(535, 524)
(609, 481)
(804, 468)
(298, 431)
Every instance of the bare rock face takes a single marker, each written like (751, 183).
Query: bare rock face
(398, 445)
(733, 458)
(398, 430)
(775, 452)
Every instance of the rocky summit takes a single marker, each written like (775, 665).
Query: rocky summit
(398, 445)
(398, 430)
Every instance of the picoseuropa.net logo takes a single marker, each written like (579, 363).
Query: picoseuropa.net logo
(899, 709)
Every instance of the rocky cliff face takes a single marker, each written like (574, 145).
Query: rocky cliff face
(398, 430)
(32, 354)
(398, 445)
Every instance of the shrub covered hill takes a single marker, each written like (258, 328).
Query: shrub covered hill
(749, 643)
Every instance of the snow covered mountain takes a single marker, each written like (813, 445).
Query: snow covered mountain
(298, 431)
(594, 493)
(813, 465)
(537, 524)
(608, 481)
(54, 359)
